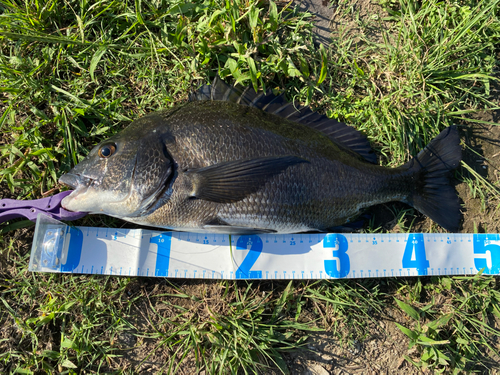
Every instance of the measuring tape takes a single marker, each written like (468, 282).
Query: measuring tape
(60, 248)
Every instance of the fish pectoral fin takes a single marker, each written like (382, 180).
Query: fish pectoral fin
(229, 229)
(232, 181)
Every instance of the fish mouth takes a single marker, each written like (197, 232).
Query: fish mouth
(87, 196)
(74, 181)
(78, 183)
(90, 195)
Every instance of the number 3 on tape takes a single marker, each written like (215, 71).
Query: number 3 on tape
(339, 266)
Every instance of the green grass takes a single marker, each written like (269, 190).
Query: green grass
(75, 72)
(417, 78)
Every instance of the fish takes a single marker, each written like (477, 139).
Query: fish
(232, 160)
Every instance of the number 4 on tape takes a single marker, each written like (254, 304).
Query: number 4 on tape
(414, 255)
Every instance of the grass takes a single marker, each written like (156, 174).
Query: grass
(75, 72)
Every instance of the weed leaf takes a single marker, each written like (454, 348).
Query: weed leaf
(68, 364)
(95, 60)
(408, 332)
(408, 309)
(324, 64)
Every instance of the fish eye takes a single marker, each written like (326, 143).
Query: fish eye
(107, 150)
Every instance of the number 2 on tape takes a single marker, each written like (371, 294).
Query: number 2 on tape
(254, 246)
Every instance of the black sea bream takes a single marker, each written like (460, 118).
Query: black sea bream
(234, 161)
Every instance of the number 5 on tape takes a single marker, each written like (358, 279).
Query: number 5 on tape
(484, 243)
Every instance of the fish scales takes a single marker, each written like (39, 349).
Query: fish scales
(329, 193)
(221, 166)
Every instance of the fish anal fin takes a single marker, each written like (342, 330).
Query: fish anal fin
(230, 229)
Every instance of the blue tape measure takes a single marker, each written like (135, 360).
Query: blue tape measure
(140, 252)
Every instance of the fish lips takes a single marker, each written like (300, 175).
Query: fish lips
(87, 197)
(78, 183)
(73, 180)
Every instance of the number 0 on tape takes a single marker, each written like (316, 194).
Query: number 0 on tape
(58, 247)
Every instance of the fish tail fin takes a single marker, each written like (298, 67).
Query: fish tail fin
(433, 195)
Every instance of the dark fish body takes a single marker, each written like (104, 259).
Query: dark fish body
(231, 167)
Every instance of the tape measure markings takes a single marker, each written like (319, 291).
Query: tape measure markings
(139, 252)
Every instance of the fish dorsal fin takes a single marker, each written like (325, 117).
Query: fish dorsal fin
(337, 131)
